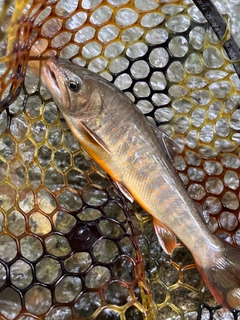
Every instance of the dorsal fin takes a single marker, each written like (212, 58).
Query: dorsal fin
(170, 147)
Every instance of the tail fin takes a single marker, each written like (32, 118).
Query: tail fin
(222, 276)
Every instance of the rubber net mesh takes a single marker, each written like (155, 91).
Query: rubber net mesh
(71, 247)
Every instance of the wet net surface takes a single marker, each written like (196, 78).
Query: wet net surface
(70, 246)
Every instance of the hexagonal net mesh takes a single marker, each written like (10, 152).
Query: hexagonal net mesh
(70, 246)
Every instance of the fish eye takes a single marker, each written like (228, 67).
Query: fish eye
(74, 85)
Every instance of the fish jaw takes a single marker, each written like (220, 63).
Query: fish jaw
(52, 82)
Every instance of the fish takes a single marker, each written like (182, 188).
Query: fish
(115, 133)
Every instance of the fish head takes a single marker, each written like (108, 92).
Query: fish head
(73, 88)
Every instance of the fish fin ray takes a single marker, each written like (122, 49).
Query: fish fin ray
(166, 237)
(170, 147)
(95, 137)
(124, 190)
(222, 276)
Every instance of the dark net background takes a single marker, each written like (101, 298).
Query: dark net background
(71, 247)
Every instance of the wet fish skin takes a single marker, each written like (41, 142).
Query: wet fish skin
(119, 138)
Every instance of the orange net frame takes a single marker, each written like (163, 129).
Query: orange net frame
(70, 246)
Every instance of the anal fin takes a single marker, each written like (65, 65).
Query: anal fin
(166, 237)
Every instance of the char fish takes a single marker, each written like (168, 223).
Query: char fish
(120, 139)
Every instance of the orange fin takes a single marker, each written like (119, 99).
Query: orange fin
(124, 190)
(166, 237)
(95, 137)
(221, 273)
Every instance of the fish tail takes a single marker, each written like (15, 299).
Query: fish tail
(222, 275)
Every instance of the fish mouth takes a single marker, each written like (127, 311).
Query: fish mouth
(50, 81)
(54, 79)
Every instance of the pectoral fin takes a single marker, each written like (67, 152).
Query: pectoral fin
(95, 137)
(166, 237)
(126, 193)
